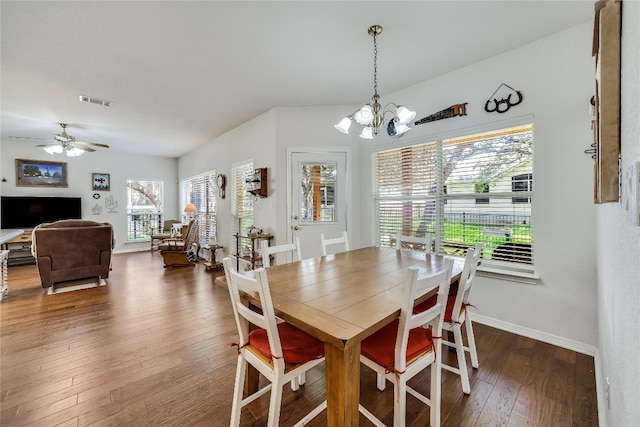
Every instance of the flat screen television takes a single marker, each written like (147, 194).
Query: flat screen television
(27, 212)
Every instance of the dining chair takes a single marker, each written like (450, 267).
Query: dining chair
(412, 242)
(456, 316)
(403, 348)
(278, 350)
(295, 249)
(266, 251)
(342, 240)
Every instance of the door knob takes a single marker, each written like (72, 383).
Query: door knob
(295, 227)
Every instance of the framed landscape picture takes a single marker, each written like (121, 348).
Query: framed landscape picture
(101, 182)
(40, 173)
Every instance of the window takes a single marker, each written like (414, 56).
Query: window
(201, 191)
(481, 187)
(410, 194)
(242, 207)
(523, 182)
(145, 210)
(317, 200)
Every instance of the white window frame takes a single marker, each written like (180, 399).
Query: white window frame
(522, 271)
(146, 221)
(201, 190)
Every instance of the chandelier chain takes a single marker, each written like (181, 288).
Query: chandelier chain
(375, 64)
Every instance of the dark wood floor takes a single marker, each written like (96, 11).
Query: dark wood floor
(153, 348)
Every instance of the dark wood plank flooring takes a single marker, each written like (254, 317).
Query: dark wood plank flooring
(152, 348)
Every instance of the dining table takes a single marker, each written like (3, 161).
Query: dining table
(341, 299)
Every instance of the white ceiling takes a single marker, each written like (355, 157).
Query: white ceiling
(181, 73)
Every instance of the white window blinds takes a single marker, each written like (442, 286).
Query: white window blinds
(201, 191)
(478, 188)
(242, 206)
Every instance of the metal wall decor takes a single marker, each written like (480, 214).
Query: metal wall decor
(513, 98)
(454, 110)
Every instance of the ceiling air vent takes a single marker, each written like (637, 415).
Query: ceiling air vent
(97, 101)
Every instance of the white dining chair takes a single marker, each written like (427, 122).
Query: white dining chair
(404, 241)
(278, 350)
(403, 348)
(290, 248)
(456, 316)
(342, 240)
(296, 252)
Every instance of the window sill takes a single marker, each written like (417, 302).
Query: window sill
(508, 272)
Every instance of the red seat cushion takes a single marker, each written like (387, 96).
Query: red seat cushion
(424, 306)
(297, 346)
(380, 347)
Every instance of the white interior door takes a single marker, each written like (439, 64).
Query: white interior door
(318, 198)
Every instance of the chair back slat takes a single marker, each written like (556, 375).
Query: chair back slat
(266, 251)
(415, 287)
(425, 241)
(342, 240)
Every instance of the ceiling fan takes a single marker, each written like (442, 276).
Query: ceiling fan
(67, 144)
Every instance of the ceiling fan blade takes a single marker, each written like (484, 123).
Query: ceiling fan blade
(96, 144)
(27, 137)
(82, 147)
(48, 145)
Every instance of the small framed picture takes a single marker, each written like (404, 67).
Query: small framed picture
(101, 182)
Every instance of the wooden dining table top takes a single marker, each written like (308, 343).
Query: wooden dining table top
(347, 296)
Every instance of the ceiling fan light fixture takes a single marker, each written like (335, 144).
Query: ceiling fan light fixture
(73, 152)
(371, 116)
(53, 149)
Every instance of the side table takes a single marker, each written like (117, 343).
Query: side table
(212, 262)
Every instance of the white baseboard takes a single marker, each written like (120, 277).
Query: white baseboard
(577, 346)
(536, 335)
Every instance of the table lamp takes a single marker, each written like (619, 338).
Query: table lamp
(190, 210)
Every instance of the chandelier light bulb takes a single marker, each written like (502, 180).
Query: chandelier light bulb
(367, 132)
(400, 129)
(364, 116)
(405, 116)
(344, 125)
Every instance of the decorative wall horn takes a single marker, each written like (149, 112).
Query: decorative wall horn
(504, 104)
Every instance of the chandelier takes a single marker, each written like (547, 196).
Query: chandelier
(369, 116)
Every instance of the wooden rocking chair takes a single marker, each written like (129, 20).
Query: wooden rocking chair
(182, 252)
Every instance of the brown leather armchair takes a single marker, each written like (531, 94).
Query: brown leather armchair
(72, 249)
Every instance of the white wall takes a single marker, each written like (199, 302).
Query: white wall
(619, 253)
(121, 167)
(252, 141)
(555, 76)
(265, 140)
